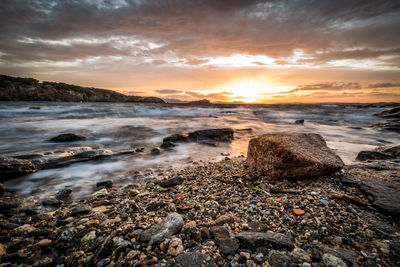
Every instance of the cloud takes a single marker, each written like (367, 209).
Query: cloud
(383, 85)
(158, 62)
(168, 91)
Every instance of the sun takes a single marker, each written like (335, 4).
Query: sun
(248, 91)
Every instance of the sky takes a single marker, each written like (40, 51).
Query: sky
(225, 51)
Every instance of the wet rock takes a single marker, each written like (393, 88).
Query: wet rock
(333, 261)
(106, 184)
(63, 193)
(52, 202)
(89, 237)
(299, 256)
(69, 234)
(120, 242)
(155, 206)
(44, 243)
(348, 256)
(81, 210)
(291, 155)
(256, 226)
(6, 206)
(385, 195)
(373, 155)
(175, 247)
(219, 135)
(171, 182)
(175, 138)
(195, 259)
(167, 145)
(226, 244)
(39, 233)
(155, 151)
(395, 249)
(100, 193)
(26, 228)
(34, 107)
(2, 251)
(2, 189)
(170, 226)
(44, 216)
(277, 259)
(299, 121)
(68, 137)
(223, 219)
(393, 150)
(252, 240)
(11, 167)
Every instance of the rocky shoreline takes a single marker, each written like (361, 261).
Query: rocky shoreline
(212, 214)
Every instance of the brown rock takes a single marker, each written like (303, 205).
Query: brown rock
(11, 167)
(269, 239)
(291, 155)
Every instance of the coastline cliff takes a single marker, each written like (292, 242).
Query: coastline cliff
(29, 89)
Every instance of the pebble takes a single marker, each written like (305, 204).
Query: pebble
(63, 193)
(26, 228)
(100, 193)
(89, 237)
(69, 234)
(44, 243)
(175, 247)
(325, 202)
(333, 261)
(299, 256)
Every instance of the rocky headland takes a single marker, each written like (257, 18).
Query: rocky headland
(236, 212)
(29, 89)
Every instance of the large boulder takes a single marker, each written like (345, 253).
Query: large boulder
(12, 167)
(291, 155)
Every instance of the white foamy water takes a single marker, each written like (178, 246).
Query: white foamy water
(117, 126)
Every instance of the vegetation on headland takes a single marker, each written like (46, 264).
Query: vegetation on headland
(29, 89)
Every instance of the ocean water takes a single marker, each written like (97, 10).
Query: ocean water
(347, 130)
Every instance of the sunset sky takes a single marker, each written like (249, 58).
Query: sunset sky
(244, 51)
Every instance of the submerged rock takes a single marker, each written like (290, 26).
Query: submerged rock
(220, 135)
(291, 155)
(63, 193)
(171, 225)
(68, 137)
(11, 167)
(106, 184)
(299, 121)
(373, 155)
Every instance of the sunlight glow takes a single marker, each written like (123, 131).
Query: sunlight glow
(250, 91)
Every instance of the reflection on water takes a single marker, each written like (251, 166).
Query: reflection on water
(118, 126)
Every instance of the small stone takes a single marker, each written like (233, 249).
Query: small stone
(44, 243)
(299, 256)
(195, 259)
(2, 251)
(106, 184)
(2, 191)
(89, 237)
(63, 193)
(364, 254)
(100, 193)
(171, 225)
(245, 255)
(104, 262)
(156, 151)
(81, 210)
(171, 182)
(253, 240)
(132, 254)
(44, 216)
(189, 225)
(69, 234)
(100, 209)
(259, 258)
(175, 247)
(277, 259)
(52, 202)
(120, 242)
(26, 228)
(298, 211)
(333, 261)
(223, 219)
(325, 202)
(313, 193)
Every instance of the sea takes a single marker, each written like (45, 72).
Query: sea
(347, 130)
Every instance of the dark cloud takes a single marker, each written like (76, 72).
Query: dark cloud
(168, 91)
(201, 28)
(329, 86)
(383, 85)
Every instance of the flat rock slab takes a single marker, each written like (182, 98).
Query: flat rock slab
(386, 196)
(253, 240)
(291, 155)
